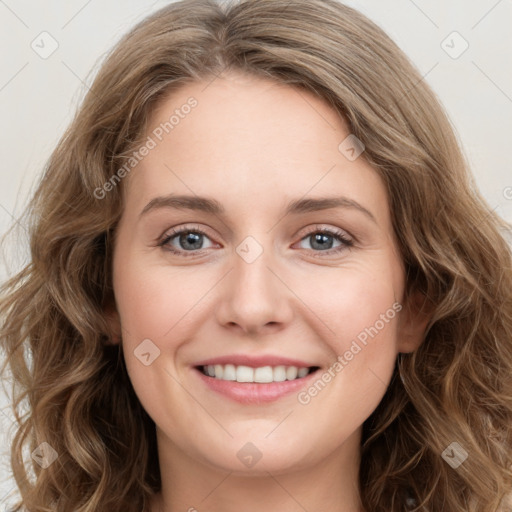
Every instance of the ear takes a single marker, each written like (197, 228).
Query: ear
(413, 322)
(114, 324)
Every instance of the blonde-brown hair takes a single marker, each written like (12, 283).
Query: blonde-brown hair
(457, 387)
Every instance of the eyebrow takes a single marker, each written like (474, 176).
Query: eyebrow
(208, 205)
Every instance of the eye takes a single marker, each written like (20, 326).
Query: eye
(190, 239)
(321, 240)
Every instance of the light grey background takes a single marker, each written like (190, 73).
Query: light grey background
(39, 95)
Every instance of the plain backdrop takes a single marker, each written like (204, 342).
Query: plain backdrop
(463, 48)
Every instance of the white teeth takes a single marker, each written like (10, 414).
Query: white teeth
(244, 374)
(291, 372)
(280, 373)
(217, 370)
(263, 374)
(302, 372)
(229, 372)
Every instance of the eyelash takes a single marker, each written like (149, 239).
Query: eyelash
(340, 235)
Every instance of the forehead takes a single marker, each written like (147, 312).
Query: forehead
(248, 137)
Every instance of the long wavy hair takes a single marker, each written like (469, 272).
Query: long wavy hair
(71, 388)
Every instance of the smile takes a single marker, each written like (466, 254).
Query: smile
(255, 385)
(262, 374)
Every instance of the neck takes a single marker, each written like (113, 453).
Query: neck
(194, 486)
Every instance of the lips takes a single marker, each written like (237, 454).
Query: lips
(255, 379)
(262, 369)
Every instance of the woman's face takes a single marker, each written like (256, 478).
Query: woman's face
(294, 266)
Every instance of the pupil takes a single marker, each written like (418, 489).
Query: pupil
(320, 238)
(193, 238)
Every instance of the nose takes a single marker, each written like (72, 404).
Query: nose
(254, 299)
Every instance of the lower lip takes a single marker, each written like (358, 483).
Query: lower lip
(255, 393)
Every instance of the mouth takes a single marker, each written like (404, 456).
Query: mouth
(255, 385)
(258, 375)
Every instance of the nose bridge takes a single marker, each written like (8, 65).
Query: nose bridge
(254, 296)
(254, 282)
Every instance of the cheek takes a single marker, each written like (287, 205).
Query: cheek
(360, 308)
(352, 299)
(156, 303)
(363, 354)
(152, 298)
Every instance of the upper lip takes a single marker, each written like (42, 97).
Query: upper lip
(254, 361)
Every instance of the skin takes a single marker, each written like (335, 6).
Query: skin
(255, 145)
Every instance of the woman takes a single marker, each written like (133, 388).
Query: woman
(338, 335)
